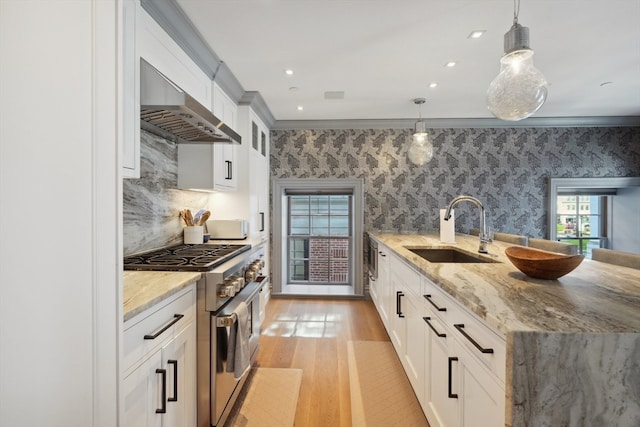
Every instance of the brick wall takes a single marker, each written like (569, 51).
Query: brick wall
(329, 260)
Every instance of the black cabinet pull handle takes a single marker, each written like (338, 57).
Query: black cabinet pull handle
(399, 295)
(172, 322)
(163, 406)
(261, 221)
(382, 253)
(451, 395)
(175, 380)
(428, 298)
(229, 169)
(426, 319)
(460, 328)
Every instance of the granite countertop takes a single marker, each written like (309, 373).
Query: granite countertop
(143, 289)
(594, 298)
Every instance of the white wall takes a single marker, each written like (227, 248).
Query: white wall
(59, 186)
(625, 220)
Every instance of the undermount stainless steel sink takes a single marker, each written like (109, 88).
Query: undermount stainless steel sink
(448, 255)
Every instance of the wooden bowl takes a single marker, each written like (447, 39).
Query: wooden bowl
(542, 264)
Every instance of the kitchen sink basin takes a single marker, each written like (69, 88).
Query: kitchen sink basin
(448, 255)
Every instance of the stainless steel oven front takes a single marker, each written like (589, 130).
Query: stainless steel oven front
(217, 388)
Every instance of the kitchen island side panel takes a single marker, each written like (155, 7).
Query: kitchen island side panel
(573, 379)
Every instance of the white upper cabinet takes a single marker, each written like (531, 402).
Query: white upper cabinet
(211, 167)
(129, 89)
(225, 155)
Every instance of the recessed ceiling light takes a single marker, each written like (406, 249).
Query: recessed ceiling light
(450, 64)
(288, 72)
(476, 34)
(433, 84)
(300, 108)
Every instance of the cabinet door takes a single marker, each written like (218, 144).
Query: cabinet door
(179, 360)
(226, 165)
(387, 303)
(130, 91)
(259, 194)
(143, 394)
(414, 344)
(440, 405)
(482, 397)
(397, 319)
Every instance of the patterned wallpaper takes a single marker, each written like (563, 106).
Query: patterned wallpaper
(505, 168)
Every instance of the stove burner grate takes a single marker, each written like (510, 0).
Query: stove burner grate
(184, 257)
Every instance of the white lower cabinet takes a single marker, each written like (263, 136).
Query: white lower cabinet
(464, 365)
(141, 389)
(454, 362)
(440, 409)
(481, 396)
(407, 331)
(159, 382)
(384, 288)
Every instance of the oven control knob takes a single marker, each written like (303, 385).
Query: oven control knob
(250, 275)
(226, 290)
(231, 290)
(238, 283)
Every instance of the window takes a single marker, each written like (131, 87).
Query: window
(317, 233)
(320, 238)
(581, 224)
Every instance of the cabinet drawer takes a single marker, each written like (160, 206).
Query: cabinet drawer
(467, 328)
(409, 277)
(487, 346)
(437, 301)
(164, 320)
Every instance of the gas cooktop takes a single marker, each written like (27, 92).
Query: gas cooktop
(203, 257)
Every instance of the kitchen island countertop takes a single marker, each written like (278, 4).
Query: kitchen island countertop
(595, 297)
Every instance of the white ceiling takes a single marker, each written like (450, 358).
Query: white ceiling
(384, 53)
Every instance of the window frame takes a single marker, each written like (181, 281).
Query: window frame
(280, 232)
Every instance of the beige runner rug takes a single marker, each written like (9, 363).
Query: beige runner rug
(268, 399)
(381, 394)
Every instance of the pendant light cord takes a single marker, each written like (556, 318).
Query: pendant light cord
(516, 11)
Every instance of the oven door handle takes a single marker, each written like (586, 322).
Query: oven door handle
(226, 321)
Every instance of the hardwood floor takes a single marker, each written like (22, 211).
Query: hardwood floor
(312, 335)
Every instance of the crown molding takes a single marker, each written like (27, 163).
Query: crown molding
(532, 122)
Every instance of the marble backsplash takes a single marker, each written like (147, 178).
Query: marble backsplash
(506, 168)
(151, 204)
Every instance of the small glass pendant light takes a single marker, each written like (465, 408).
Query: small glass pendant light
(421, 149)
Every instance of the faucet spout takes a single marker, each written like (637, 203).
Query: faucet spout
(484, 235)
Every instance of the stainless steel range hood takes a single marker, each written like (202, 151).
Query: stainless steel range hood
(167, 111)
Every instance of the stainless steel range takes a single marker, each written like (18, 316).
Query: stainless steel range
(231, 274)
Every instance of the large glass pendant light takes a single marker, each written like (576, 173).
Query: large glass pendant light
(421, 150)
(520, 89)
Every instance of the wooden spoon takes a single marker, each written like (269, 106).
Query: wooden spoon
(203, 219)
(188, 217)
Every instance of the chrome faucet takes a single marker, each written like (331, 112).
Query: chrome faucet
(484, 235)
